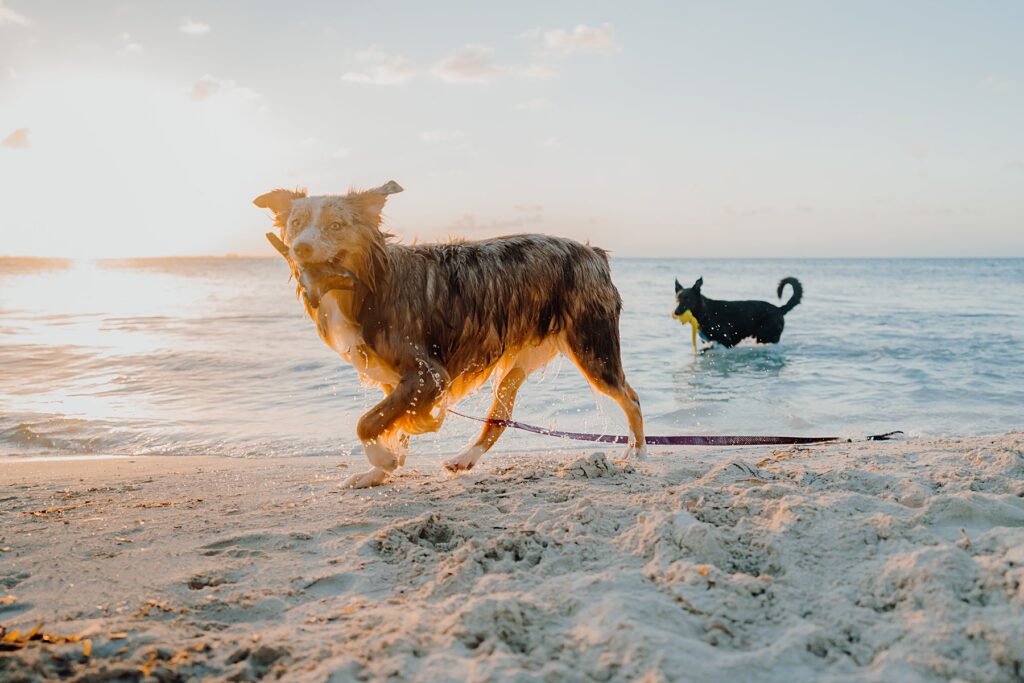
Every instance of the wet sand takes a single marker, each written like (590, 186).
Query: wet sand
(874, 562)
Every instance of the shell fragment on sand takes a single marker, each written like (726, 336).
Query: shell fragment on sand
(16, 640)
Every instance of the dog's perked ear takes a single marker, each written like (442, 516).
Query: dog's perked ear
(698, 283)
(679, 287)
(371, 202)
(390, 187)
(279, 201)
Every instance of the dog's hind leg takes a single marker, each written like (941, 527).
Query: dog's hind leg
(414, 395)
(770, 331)
(630, 404)
(594, 347)
(501, 409)
(526, 360)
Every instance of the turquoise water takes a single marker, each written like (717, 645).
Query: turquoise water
(181, 356)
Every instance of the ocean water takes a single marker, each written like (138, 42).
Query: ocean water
(214, 356)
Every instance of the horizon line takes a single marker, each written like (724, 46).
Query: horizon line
(241, 257)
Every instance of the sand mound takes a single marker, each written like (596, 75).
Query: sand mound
(870, 562)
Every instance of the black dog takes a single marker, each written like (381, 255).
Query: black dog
(729, 322)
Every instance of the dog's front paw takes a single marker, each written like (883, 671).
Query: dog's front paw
(374, 477)
(465, 460)
(382, 457)
(635, 452)
(398, 444)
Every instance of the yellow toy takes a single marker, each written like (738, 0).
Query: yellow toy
(687, 317)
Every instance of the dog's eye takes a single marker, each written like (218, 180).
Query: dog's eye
(335, 225)
(295, 222)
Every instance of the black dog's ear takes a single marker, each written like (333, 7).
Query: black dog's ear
(679, 287)
(698, 283)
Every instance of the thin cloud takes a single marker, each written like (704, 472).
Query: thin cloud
(997, 85)
(205, 88)
(536, 104)
(471, 65)
(209, 86)
(582, 39)
(380, 68)
(469, 223)
(9, 16)
(430, 136)
(915, 150)
(341, 153)
(193, 27)
(17, 139)
(535, 72)
(129, 46)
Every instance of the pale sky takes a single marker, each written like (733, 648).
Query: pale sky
(674, 129)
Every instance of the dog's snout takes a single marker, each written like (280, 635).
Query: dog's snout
(302, 251)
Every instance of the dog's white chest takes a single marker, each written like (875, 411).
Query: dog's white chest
(342, 335)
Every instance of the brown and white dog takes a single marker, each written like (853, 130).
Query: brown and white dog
(430, 324)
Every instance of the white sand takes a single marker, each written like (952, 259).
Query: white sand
(881, 562)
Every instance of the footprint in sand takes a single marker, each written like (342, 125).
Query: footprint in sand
(253, 545)
(330, 585)
(9, 581)
(201, 581)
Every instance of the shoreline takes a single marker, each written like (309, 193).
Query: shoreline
(851, 561)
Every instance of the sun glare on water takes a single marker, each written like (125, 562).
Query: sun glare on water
(96, 309)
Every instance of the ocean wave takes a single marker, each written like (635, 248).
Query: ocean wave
(52, 434)
(210, 356)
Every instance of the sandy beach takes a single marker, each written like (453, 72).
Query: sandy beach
(450, 252)
(869, 561)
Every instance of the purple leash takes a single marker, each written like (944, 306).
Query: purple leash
(682, 440)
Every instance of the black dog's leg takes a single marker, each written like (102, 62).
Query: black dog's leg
(771, 330)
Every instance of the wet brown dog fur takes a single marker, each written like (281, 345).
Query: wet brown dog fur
(429, 324)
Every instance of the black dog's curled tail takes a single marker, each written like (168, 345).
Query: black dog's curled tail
(798, 293)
